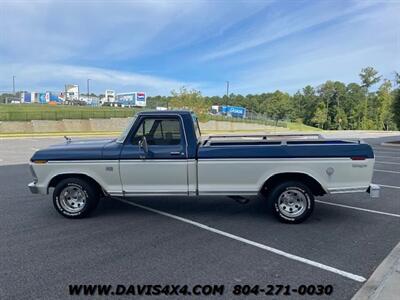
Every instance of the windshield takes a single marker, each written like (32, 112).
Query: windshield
(196, 127)
(123, 135)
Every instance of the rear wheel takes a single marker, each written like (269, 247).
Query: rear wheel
(75, 198)
(292, 201)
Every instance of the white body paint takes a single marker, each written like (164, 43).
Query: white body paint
(207, 176)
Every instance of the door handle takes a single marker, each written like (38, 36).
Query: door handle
(176, 153)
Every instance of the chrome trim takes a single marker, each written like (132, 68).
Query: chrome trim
(228, 193)
(158, 193)
(359, 189)
(33, 188)
(374, 190)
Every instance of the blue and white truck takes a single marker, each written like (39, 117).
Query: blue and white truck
(163, 153)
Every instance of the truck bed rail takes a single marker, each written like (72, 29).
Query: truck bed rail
(283, 139)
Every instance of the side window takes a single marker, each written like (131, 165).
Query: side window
(159, 132)
(143, 130)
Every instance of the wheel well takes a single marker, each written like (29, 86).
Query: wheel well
(55, 180)
(313, 184)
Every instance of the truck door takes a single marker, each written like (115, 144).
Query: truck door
(162, 169)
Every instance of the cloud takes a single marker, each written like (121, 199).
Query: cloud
(157, 46)
(281, 21)
(39, 77)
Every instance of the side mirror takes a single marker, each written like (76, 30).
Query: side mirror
(143, 145)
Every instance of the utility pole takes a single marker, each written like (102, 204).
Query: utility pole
(227, 92)
(14, 84)
(87, 99)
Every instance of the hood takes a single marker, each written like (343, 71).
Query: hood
(74, 150)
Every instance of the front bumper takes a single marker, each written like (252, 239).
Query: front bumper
(374, 190)
(37, 189)
(33, 188)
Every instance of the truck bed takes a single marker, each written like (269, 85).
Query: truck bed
(282, 146)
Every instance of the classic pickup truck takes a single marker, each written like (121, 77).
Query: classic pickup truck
(163, 153)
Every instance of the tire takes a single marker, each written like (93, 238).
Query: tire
(291, 202)
(75, 198)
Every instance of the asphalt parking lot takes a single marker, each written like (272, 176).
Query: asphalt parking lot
(206, 240)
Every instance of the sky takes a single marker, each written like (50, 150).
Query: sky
(157, 46)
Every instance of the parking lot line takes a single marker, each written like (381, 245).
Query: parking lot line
(387, 162)
(386, 171)
(396, 157)
(387, 152)
(252, 243)
(359, 208)
(388, 186)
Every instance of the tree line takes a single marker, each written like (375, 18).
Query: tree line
(373, 103)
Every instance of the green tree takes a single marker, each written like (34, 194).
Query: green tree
(320, 115)
(278, 106)
(189, 99)
(396, 108)
(369, 77)
(384, 106)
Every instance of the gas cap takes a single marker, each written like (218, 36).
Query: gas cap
(330, 171)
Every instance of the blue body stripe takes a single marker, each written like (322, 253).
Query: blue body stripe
(287, 151)
(111, 150)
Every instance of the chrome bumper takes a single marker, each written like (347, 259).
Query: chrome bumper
(33, 188)
(374, 190)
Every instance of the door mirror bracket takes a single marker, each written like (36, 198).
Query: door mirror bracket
(143, 145)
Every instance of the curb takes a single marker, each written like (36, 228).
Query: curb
(384, 282)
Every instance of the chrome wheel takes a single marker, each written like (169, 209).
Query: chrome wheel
(292, 203)
(72, 199)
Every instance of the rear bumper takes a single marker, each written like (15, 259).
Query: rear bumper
(374, 190)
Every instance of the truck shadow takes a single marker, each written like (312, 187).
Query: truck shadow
(184, 206)
(209, 208)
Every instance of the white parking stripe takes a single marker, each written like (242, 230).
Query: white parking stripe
(388, 186)
(387, 171)
(396, 157)
(359, 208)
(387, 162)
(252, 243)
(387, 152)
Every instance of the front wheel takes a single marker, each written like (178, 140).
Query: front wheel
(292, 202)
(74, 198)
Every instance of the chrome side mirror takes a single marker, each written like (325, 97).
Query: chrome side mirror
(143, 145)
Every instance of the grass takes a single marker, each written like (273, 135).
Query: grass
(301, 127)
(28, 112)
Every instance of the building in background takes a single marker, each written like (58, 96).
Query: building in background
(54, 98)
(26, 97)
(71, 92)
(229, 111)
(132, 99)
(109, 97)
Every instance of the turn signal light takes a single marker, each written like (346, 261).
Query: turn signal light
(40, 161)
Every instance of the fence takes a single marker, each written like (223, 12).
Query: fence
(68, 114)
(251, 118)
